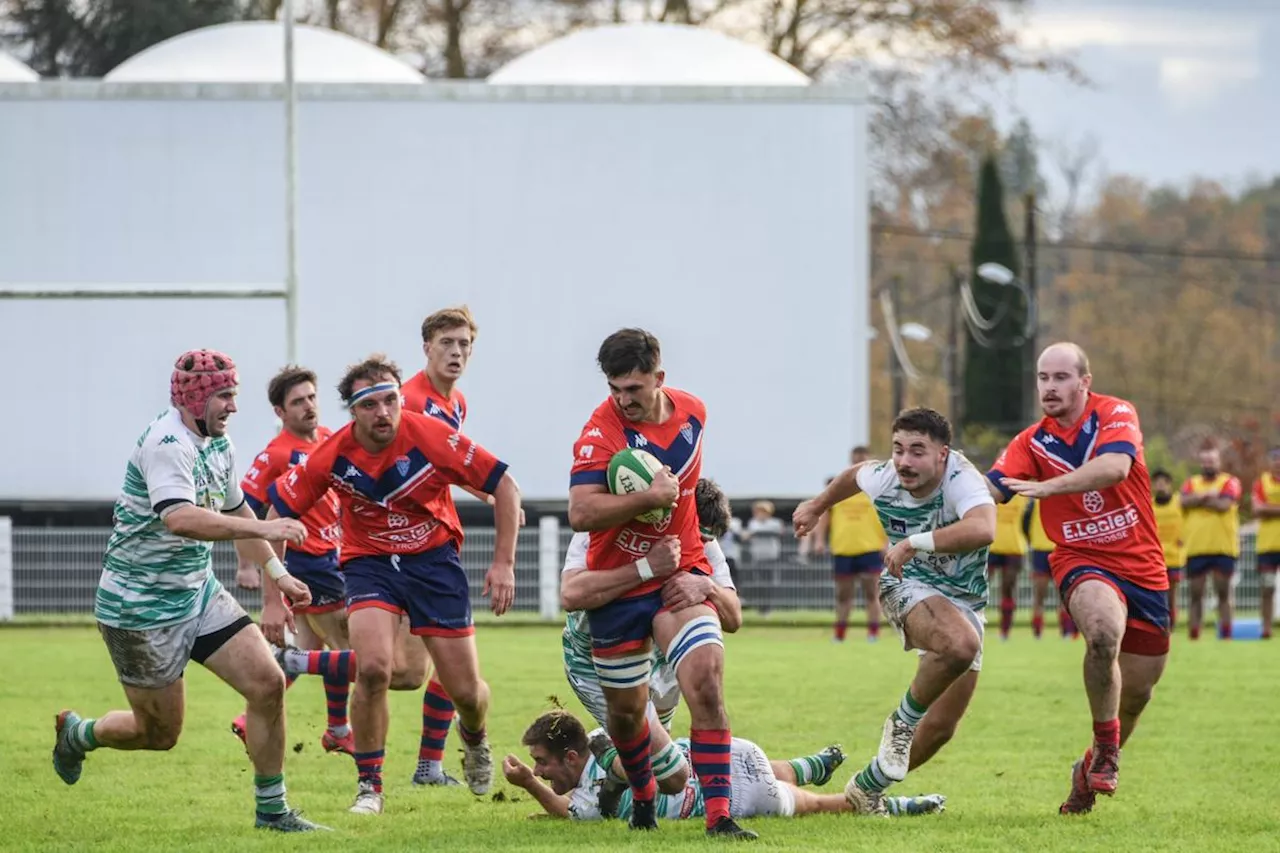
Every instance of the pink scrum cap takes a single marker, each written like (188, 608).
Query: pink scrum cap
(197, 376)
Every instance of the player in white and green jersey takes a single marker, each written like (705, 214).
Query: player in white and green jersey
(158, 604)
(940, 519)
(565, 755)
(670, 769)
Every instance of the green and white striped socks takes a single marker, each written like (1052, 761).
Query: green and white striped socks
(269, 793)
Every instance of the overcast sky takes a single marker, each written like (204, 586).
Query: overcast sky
(1183, 88)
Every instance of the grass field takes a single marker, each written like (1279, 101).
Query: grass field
(1200, 774)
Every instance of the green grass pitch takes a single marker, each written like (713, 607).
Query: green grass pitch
(1201, 773)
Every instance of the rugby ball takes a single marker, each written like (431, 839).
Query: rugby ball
(632, 471)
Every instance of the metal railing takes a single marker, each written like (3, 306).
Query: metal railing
(55, 571)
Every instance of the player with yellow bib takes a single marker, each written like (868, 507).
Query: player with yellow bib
(1266, 508)
(851, 529)
(1041, 547)
(1212, 535)
(1007, 554)
(1170, 524)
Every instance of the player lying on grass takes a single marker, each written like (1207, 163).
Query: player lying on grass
(573, 762)
(581, 590)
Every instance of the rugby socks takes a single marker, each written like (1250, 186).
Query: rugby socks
(469, 737)
(1037, 625)
(872, 779)
(637, 764)
(333, 664)
(1107, 733)
(81, 735)
(268, 792)
(1194, 631)
(437, 715)
(336, 690)
(709, 749)
(1066, 624)
(873, 629)
(1007, 607)
(1224, 630)
(808, 768)
(369, 769)
(909, 710)
(840, 630)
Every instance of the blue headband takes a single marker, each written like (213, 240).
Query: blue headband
(372, 389)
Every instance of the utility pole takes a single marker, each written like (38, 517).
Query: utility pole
(897, 375)
(952, 368)
(1031, 349)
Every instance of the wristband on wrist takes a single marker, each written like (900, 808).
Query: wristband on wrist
(643, 567)
(275, 568)
(921, 541)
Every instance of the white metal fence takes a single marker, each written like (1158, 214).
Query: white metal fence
(54, 570)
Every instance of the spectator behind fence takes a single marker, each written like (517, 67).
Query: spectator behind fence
(763, 537)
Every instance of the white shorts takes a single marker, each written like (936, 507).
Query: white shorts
(591, 695)
(756, 791)
(155, 658)
(899, 597)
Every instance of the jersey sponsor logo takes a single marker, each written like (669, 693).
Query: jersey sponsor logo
(169, 439)
(637, 440)
(252, 473)
(1102, 529)
(594, 432)
(634, 543)
(897, 525)
(395, 519)
(1121, 425)
(453, 441)
(1094, 502)
(415, 535)
(1122, 409)
(586, 451)
(264, 458)
(470, 457)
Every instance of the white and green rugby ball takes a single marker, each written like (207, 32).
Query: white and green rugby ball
(632, 471)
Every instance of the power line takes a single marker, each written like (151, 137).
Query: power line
(1101, 246)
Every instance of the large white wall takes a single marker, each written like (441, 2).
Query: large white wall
(731, 223)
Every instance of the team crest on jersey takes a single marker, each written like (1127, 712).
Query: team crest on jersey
(664, 523)
(402, 465)
(687, 432)
(1093, 502)
(897, 525)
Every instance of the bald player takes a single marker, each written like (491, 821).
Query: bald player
(1085, 464)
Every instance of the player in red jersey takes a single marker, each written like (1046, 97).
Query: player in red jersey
(292, 394)
(642, 413)
(400, 538)
(1084, 462)
(447, 338)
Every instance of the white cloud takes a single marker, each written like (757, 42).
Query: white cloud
(1188, 81)
(1194, 53)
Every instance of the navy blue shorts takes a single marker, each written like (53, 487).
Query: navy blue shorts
(430, 587)
(624, 626)
(1040, 562)
(1206, 563)
(322, 576)
(1005, 562)
(1147, 624)
(1175, 573)
(1269, 561)
(857, 564)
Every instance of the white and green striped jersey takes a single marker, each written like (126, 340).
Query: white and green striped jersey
(584, 800)
(151, 577)
(575, 640)
(963, 576)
